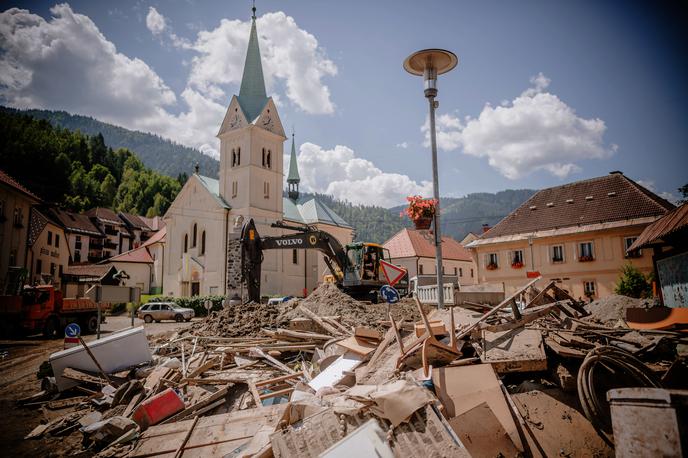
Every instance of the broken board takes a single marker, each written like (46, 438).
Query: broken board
(462, 388)
(482, 433)
(517, 350)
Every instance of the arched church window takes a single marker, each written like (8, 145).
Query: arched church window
(193, 237)
(269, 159)
(203, 242)
(238, 156)
(186, 243)
(263, 157)
(234, 158)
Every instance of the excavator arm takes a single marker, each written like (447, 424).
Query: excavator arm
(252, 247)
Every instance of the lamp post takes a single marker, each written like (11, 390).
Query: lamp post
(429, 63)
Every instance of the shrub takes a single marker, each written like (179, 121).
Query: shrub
(633, 283)
(197, 303)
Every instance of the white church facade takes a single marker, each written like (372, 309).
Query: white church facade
(204, 221)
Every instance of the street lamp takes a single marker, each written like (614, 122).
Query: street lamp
(430, 63)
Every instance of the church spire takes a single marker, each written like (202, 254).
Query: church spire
(252, 95)
(293, 178)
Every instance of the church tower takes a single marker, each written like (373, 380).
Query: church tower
(293, 179)
(251, 144)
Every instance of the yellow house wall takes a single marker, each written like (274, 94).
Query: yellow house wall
(604, 270)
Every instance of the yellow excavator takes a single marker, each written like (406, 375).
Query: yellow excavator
(355, 268)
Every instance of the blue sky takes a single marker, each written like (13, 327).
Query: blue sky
(545, 92)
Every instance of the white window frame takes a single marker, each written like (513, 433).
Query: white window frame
(489, 257)
(513, 256)
(563, 254)
(594, 287)
(592, 249)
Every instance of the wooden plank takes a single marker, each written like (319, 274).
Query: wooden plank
(397, 335)
(203, 367)
(534, 314)
(80, 376)
(539, 296)
(272, 381)
(132, 404)
(221, 393)
(494, 311)
(255, 351)
(180, 449)
(329, 328)
(519, 350)
(481, 432)
(357, 345)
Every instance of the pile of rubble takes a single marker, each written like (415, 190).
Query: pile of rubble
(328, 375)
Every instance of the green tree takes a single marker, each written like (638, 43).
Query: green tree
(684, 194)
(108, 189)
(633, 283)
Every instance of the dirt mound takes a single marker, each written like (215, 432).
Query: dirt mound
(242, 320)
(328, 300)
(609, 310)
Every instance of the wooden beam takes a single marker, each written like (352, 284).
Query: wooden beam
(329, 328)
(180, 450)
(501, 305)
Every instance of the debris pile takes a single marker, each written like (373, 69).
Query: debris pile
(328, 376)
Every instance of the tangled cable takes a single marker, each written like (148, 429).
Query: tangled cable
(615, 360)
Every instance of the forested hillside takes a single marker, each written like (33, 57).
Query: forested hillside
(79, 172)
(155, 152)
(459, 215)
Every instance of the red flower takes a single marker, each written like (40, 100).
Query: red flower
(420, 208)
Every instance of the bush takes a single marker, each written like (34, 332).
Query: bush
(633, 283)
(197, 303)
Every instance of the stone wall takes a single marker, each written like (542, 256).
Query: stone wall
(233, 264)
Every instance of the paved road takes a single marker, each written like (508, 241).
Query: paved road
(117, 323)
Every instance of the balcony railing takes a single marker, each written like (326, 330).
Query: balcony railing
(110, 244)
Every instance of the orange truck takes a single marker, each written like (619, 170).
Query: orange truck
(42, 309)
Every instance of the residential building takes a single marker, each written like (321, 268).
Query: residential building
(143, 265)
(415, 250)
(47, 248)
(116, 237)
(576, 234)
(204, 222)
(137, 227)
(79, 231)
(15, 210)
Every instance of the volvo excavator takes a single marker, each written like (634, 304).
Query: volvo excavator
(355, 268)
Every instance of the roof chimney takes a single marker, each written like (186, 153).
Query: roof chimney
(616, 172)
(196, 168)
(486, 227)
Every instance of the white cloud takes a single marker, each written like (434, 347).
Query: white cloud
(155, 21)
(650, 185)
(66, 63)
(290, 55)
(402, 145)
(341, 173)
(447, 131)
(536, 131)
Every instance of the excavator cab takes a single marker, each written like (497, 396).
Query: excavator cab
(363, 262)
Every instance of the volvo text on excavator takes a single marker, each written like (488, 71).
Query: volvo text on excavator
(355, 268)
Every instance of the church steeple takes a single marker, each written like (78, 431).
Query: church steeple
(293, 178)
(252, 95)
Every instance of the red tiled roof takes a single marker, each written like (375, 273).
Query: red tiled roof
(413, 243)
(8, 180)
(612, 197)
(664, 227)
(139, 254)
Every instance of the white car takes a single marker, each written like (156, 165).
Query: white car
(158, 311)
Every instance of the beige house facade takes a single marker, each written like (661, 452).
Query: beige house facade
(204, 222)
(48, 249)
(576, 234)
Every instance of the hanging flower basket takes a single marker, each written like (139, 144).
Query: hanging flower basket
(422, 223)
(491, 266)
(517, 265)
(421, 211)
